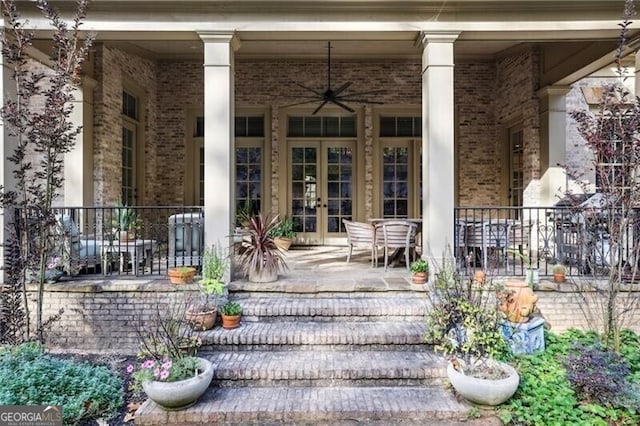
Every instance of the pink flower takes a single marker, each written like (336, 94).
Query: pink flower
(164, 374)
(130, 368)
(156, 372)
(148, 363)
(167, 365)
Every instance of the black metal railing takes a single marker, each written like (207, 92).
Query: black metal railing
(130, 241)
(505, 240)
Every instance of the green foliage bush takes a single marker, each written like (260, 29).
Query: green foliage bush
(546, 396)
(29, 377)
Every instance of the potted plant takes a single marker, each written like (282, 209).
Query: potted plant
(202, 316)
(559, 273)
(283, 233)
(172, 377)
(465, 324)
(261, 259)
(125, 223)
(532, 273)
(420, 270)
(181, 274)
(231, 312)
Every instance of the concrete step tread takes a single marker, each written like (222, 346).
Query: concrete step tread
(309, 404)
(333, 306)
(328, 365)
(317, 333)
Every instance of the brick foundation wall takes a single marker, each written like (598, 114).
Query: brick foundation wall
(103, 316)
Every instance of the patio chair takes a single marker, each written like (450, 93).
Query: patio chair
(83, 251)
(359, 234)
(398, 235)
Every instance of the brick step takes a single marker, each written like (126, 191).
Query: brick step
(314, 368)
(316, 336)
(332, 309)
(313, 405)
(316, 282)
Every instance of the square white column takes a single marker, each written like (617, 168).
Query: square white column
(78, 163)
(553, 140)
(438, 144)
(219, 143)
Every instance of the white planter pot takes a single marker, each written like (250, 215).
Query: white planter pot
(485, 391)
(173, 396)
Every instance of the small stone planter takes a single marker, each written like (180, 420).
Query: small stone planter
(485, 391)
(173, 396)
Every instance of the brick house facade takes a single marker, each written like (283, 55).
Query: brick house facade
(469, 81)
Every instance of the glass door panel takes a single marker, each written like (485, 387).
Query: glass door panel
(303, 189)
(321, 189)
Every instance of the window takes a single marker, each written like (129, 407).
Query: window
(312, 126)
(249, 132)
(516, 167)
(130, 115)
(616, 163)
(400, 173)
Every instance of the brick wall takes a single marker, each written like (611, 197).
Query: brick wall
(516, 102)
(480, 152)
(489, 95)
(114, 68)
(103, 316)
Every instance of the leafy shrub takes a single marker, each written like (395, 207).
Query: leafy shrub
(598, 375)
(29, 377)
(546, 396)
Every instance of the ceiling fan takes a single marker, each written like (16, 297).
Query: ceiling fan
(335, 96)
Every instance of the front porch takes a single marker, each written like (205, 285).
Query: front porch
(503, 241)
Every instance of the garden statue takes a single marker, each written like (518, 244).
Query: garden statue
(518, 301)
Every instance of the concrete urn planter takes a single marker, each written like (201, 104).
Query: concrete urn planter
(485, 391)
(173, 396)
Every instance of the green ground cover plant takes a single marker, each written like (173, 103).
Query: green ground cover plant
(570, 383)
(28, 376)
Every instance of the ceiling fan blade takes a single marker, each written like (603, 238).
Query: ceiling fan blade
(369, 92)
(362, 101)
(341, 88)
(320, 107)
(311, 90)
(341, 105)
(301, 103)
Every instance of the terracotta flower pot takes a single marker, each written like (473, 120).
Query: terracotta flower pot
(201, 320)
(283, 243)
(479, 277)
(559, 278)
(519, 302)
(419, 277)
(229, 322)
(181, 275)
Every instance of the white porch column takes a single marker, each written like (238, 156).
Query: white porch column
(437, 144)
(78, 163)
(637, 74)
(218, 137)
(7, 147)
(553, 140)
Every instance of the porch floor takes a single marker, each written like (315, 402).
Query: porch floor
(324, 269)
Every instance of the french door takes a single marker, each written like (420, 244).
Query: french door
(321, 188)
